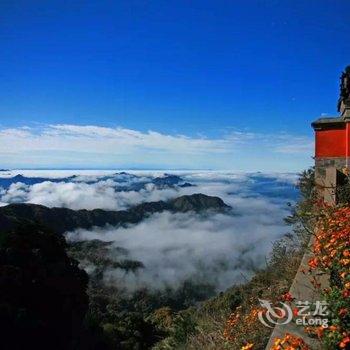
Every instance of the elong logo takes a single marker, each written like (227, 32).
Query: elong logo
(283, 314)
(272, 316)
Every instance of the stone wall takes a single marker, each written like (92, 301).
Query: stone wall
(328, 174)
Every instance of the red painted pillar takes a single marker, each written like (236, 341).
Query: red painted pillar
(347, 142)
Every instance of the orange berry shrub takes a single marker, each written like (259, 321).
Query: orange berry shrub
(241, 326)
(289, 342)
(332, 256)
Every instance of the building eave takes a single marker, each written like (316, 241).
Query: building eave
(328, 123)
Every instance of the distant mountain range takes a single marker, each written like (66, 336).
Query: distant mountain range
(61, 220)
(132, 182)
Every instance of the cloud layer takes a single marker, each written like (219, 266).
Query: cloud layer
(219, 249)
(96, 146)
(120, 191)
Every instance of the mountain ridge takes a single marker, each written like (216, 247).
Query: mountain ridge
(61, 220)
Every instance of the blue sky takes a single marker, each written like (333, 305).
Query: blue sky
(204, 69)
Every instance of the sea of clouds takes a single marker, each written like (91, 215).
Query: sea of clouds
(220, 248)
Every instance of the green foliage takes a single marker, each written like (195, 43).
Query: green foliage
(306, 183)
(129, 315)
(131, 332)
(183, 325)
(336, 303)
(303, 215)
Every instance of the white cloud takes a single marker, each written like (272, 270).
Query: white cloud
(102, 195)
(117, 192)
(96, 139)
(216, 249)
(220, 249)
(96, 146)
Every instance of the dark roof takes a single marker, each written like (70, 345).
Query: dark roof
(328, 123)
